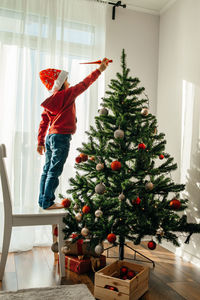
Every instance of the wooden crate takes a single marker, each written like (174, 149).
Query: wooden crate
(126, 289)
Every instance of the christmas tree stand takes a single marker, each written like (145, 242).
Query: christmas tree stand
(121, 245)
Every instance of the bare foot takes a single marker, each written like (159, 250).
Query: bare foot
(56, 206)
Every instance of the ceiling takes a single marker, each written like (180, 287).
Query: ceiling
(149, 6)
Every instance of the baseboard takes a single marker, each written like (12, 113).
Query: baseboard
(181, 252)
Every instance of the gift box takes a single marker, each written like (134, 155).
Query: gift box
(80, 247)
(85, 265)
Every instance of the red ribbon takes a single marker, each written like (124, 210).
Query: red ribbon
(79, 243)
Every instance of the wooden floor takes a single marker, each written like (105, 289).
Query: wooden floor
(171, 279)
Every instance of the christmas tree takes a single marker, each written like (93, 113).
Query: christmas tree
(123, 187)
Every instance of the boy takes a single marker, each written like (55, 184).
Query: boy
(60, 113)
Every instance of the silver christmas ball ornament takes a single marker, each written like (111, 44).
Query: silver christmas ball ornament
(54, 247)
(99, 249)
(103, 111)
(149, 186)
(100, 188)
(119, 134)
(145, 111)
(84, 231)
(78, 217)
(99, 167)
(98, 213)
(121, 197)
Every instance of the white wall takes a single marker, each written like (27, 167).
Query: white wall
(178, 106)
(138, 34)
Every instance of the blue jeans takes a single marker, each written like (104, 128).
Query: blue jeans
(57, 149)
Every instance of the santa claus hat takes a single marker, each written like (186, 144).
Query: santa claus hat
(53, 79)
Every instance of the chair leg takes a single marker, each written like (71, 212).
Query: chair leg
(5, 248)
(60, 245)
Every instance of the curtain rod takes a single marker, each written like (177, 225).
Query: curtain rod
(116, 4)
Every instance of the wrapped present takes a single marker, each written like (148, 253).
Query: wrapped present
(79, 248)
(85, 265)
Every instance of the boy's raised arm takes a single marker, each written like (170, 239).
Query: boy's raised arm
(83, 85)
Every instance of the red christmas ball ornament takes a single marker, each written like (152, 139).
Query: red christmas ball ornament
(86, 209)
(112, 288)
(151, 245)
(78, 159)
(136, 201)
(111, 237)
(66, 202)
(130, 274)
(141, 146)
(55, 232)
(124, 277)
(123, 271)
(175, 204)
(116, 165)
(161, 156)
(83, 157)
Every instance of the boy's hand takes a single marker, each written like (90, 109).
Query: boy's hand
(41, 149)
(103, 64)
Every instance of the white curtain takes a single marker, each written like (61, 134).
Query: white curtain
(35, 35)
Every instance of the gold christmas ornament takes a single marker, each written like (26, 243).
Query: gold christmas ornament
(84, 231)
(78, 217)
(99, 167)
(160, 231)
(145, 111)
(98, 213)
(99, 249)
(121, 197)
(76, 206)
(92, 157)
(119, 134)
(149, 186)
(103, 111)
(100, 188)
(65, 250)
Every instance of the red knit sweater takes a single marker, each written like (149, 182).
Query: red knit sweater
(60, 111)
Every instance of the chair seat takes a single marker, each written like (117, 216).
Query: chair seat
(36, 211)
(23, 216)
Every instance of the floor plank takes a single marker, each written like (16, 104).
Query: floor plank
(171, 279)
(189, 290)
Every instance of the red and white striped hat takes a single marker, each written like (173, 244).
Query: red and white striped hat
(53, 79)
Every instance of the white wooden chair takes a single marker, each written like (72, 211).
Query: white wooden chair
(26, 218)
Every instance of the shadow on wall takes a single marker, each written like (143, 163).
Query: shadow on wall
(192, 193)
(193, 187)
(190, 165)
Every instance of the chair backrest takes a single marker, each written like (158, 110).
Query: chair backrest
(5, 184)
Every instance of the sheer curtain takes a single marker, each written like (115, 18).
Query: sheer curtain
(35, 35)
